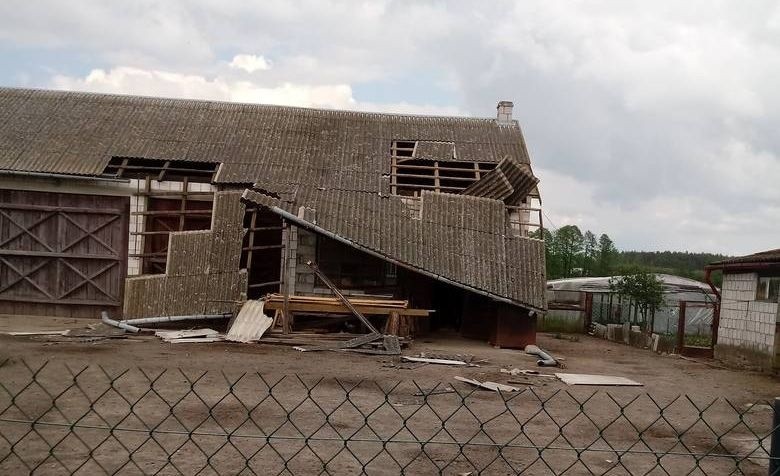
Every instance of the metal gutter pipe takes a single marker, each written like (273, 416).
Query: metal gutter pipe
(161, 319)
(545, 359)
(122, 325)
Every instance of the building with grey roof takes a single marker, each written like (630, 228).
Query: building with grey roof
(147, 206)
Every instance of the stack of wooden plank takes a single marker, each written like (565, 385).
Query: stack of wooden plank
(333, 304)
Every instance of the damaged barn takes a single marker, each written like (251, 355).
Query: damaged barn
(157, 207)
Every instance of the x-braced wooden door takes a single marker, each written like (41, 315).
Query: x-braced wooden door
(62, 254)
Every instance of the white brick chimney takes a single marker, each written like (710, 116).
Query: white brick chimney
(504, 112)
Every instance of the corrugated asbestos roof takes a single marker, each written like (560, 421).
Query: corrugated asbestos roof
(510, 181)
(459, 237)
(769, 256)
(77, 133)
(335, 162)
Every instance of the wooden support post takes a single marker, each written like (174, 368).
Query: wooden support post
(183, 208)
(286, 321)
(588, 312)
(436, 182)
(681, 328)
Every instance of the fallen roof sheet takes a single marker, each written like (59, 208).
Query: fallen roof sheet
(606, 380)
(511, 182)
(460, 239)
(250, 324)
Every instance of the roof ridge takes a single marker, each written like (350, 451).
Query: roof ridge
(194, 101)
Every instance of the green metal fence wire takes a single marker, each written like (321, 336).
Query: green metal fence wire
(57, 418)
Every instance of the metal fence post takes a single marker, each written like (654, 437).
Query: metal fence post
(774, 448)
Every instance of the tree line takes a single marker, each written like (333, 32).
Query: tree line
(571, 253)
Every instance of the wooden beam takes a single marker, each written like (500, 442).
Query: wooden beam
(340, 308)
(164, 169)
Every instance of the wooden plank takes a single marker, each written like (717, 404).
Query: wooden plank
(434, 361)
(499, 387)
(341, 309)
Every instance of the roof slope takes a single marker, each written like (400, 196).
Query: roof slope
(337, 163)
(77, 133)
(462, 238)
(769, 256)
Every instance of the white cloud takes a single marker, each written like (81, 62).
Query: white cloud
(662, 113)
(250, 63)
(128, 80)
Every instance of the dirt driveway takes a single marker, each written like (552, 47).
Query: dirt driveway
(326, 417)
(661, 375)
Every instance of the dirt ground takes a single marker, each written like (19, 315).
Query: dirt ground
(379, 406)
(660, 375)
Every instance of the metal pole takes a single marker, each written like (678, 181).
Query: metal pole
(111, 322)
(163, 319)
(774, 449)
(339, 295)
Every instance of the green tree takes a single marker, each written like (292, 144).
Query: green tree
(606, 256)
(554, 268)
(589, 254)
(568, 248)
(644, 289)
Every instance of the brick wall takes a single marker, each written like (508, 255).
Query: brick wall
(747, 327)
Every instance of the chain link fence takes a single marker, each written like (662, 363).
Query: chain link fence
(57, 418)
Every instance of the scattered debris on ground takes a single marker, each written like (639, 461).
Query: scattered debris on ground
(250, 324)
(500, 387)
(545, 359)
(607, 380)
(190, 336)
(527, 373)
(434, 361)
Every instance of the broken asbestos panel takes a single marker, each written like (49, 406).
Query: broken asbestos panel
(222, 257)
(202, 274)
(225, 292)
(188, 253)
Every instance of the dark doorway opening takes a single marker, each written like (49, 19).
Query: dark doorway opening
(262, 252)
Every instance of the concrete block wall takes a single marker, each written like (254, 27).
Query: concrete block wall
(305, 279)
(747, 327)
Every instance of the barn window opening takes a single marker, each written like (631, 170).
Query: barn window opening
(429, 165)
(168, 196)
(160, 170)
(163, 208)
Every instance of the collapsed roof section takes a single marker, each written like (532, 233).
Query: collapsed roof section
(511, 182)
(459, 239)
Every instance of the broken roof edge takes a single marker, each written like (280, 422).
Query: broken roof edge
(273, 205)
(197, 101)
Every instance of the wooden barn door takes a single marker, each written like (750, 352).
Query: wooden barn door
(62, 254)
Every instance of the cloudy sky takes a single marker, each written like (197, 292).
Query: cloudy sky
(655, 122)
